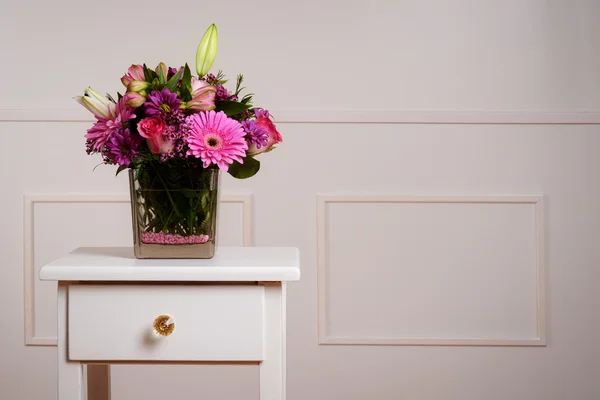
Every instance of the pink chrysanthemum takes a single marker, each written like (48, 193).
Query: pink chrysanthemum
(104, 128)
(216, 139)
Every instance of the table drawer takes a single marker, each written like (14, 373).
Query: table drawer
(212, 322)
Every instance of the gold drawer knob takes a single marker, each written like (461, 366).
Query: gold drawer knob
(164, 325)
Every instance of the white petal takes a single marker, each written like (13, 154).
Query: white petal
(96, 108)
(102, 99)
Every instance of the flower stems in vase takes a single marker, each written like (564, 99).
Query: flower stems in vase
(174, 205)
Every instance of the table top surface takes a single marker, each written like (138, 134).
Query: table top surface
(230, 264)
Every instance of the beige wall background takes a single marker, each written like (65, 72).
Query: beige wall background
(439, 173)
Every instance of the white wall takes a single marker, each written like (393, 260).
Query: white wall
(450, 101)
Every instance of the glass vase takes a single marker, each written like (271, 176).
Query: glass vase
(174, 211)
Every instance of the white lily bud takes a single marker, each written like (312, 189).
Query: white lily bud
(97, 104)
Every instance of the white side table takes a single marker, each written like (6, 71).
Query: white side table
(114, 308)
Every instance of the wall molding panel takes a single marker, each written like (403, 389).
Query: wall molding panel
(496, 117)
(29, 275)
(326, 338)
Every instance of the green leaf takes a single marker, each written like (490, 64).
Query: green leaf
(156, 85)
(247, 99)
(190, 194)
(121, 168)
(238, 84)
(246, 170)
(204, 198)
(172, 83)
(231, 108)
(186, 84)
(138, 173)
(219, 79)
(206, 221)
(149, 75)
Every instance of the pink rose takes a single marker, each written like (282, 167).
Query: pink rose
(152, 129)
(263, 120)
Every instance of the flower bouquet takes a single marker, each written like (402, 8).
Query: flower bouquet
(175, 132)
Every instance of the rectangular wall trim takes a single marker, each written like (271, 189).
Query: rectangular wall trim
(29, 275)
(325, 338)
(497, 117)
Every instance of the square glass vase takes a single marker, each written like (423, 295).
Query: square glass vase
(174, 212)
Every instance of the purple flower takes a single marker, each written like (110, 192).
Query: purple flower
(255, 134)
(122, 147)
(223, 94)
(172, 72)
(177, 134)
(162, 103)
(104, 128)
(210, 78)
(260, 113)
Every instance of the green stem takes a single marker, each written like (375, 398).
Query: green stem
(191, 218)
(167, 221)
(169, 194)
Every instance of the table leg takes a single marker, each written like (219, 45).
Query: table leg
(272, 369)
(98, 382)
(69, 372)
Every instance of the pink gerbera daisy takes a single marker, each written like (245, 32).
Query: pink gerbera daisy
(216, 139)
